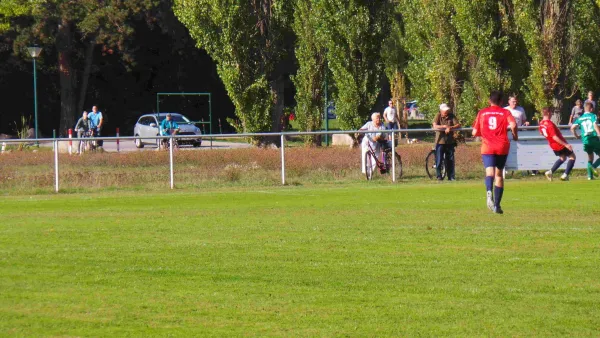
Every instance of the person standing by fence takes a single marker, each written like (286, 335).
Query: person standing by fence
(96, 120)
(390, 115)
(445, 123)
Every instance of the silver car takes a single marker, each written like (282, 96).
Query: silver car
(148, 126)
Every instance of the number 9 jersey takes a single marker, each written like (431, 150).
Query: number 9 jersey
(492, 125)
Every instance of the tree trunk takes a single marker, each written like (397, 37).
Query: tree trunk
(557, 103)
(68, 77)
(277, 90)
(89, 58)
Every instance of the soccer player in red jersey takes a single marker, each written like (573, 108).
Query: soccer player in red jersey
(492, 124)
(557, 142)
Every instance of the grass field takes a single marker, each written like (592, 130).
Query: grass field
(368, 259)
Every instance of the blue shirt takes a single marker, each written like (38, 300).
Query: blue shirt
(94, 119)
(167, 126)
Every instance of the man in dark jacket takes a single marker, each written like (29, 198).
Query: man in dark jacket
(445, 123)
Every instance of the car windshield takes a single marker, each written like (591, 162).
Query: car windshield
(176, 117)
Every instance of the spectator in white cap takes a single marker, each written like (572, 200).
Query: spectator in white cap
(444, 124)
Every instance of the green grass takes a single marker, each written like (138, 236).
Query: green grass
(369, 259)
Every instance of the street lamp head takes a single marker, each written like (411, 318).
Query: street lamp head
(34, 51)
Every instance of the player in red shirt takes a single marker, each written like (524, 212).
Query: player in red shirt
(492, 124)
(557, 142)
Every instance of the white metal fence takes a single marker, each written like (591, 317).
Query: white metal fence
(282, 137)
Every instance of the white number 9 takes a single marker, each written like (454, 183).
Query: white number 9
(493, 123)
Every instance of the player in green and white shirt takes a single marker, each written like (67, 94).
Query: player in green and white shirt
(588, 123)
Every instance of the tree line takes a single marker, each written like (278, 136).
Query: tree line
(452, 51)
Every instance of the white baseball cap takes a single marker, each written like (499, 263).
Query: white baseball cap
(444, 107)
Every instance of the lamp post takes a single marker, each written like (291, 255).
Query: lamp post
(35, 52)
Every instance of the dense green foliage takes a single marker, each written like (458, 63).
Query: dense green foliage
(459, 51)
(246, 41)
(354, 32)
(72, 30)
(433, 51)
(562, 42)
(309, 79)
(361, 260)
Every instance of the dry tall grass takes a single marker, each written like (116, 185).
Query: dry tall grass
(27, 172)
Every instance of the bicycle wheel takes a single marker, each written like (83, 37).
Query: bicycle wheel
(369, 165)
(398, 165)
(431, 168)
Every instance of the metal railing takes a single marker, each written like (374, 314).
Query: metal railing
(281, 135)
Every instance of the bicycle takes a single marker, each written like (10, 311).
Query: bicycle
(87, 145)
(384, 167)
(430, 166)
(165, 143)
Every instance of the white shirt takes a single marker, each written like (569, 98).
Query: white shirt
(390, 114)
(519, 114)
(370, 137)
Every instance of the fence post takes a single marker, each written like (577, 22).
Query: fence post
(393, 156)
(70, 141)
(55, 165)
(53, 136)
(117, 140)
(171, 159)
(282, 159)
(3, 146)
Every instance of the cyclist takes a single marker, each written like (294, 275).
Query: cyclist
(377, 140)
(168, 127)
(82, 127)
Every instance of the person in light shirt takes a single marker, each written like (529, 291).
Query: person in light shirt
(591, 100)
(517, 111)
(390, 116)
(377, 140)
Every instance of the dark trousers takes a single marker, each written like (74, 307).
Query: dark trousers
(445, 152)
(96, 134)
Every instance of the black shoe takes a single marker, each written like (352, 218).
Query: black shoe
(440, 178)
(498, 210)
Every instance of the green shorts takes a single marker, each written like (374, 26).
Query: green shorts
(593, 146)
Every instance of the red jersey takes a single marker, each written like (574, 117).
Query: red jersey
(492, 125)
(549, 130)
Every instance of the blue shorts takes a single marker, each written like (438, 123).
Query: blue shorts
(497, 161)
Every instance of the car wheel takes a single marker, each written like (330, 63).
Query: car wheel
(197, 144)
(138, 142)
